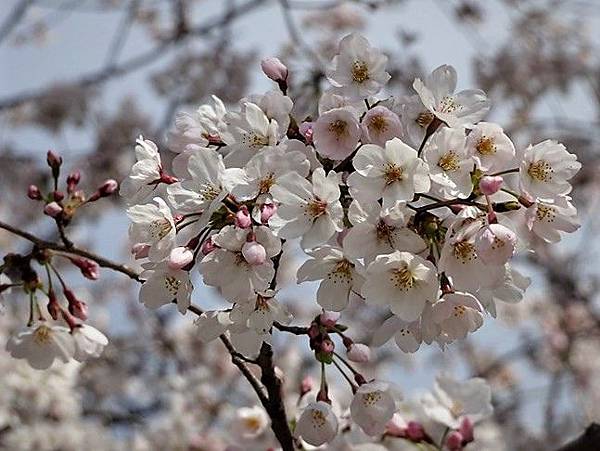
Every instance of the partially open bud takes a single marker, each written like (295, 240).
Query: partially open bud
(329, 319)
(306, 130)
(466, 430)
(53, 209)
(306, 385)
(274, 69)
(208, 246)
(490, 184)
(53, 305)
(242, 218)
(415, 431)
(454, 441)
(33, 192)
(180, 257)
(254, 253)
(77, 308)
(396, 426)
(359, 353)
(72, 181)
(106, 189)
(53, 160)
(266, 211)
(140, 250)
(89, 268)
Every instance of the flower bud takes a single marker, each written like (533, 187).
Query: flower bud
(306, 385)
(53, 160)
(208, 246)
(359, 353)
(58, 195)
(313, 331)
(327, 346)
(490, 184)
(329, 319)
(180, 257)
(306, 130)
(53, 209)
(266, 211)
(88, 268)
(53, 305)
(454, 441)
(79, 310)
(140, 250)
(72, 181)
(415, 431)
(466, 430)
(108, 187)
(254, 253)
(33, 192)
(242, 218)
(274, 69)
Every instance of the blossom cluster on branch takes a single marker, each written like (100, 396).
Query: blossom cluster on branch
(411, 204)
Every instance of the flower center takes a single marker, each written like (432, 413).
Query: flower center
(378, 123)
(448, 105)
(42, 335)
(392, 173)
(370, 399)
(341, 272)
(457, 409)
(160, 228)
(464, 251)
(485, 146)
(545, 212)
(541, 171)
(459, 310)
(172, 285)
(449, 162)
(424, 119)
(403, 278)
(338, 128)
(266, 183)
(318, 418)
(252, 423)
(360, 71)
(208, 192)
(255, 140)
(316, 208)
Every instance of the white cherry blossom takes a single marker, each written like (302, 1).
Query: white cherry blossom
(250, 422)
(373, 406)
(358, 69)
(547, 219)
(462, 109)
(339, 275)
(458, 314)
(41, 344)
(276, 106)
(490, 147)
(311, 211)
(407, 335)
(546, 169)
(394, 173)
(336, 134)
(510, 289)
(317, 424)
(404, 281)
(164, 285)
(495, 244)
(89, 342)
(152, 225)
(260, 312)
(379, 125)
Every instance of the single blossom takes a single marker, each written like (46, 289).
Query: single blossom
(489, 146)
(250, 422)
(153, 225)
(336, 134)
(458, 314)
(163, 285)
(379, 125)
(373, 406)
(317, 424)
(274, 69)
(495, 244)
(41, 344)
(89, 342)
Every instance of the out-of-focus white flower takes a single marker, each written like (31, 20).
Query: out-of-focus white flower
(228, 268)
(153, 225)
(259, 313)
(380, 125)
(490, 147)
(454, 400)
(89, 342)
(462, 109)
(250, 422)
(336, 134)
(164, 285)
(449, 165)
(546, 168)
(358, 69)
(404, 281)
(312, 211)
(339, 275)
(251, 130)
(458, 314)
(373, 406)
(510, 289)
(317, 424)
(42, 344)
(212, 324)
(395, 173)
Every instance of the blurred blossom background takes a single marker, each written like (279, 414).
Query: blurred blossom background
(86, 77)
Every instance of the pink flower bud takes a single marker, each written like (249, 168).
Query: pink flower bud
(306, 130)
(396, 427)
(73, 180)
(415, 431)
(53, 160)
(329, 319)
(306, 385)
(140, 250)
(466, 430)
(490, 184)
(89, 268)
(242, 218)
(53, 209)
(106, 189)
(359, 353)
(327, 346)
(254, 253)
(274, 69)
(313, 331)
(78, 309)
(58, 195)
(53, 305)
(208, 246)
(33, 192)
(454, 441)
(180, 257)
(266, 211)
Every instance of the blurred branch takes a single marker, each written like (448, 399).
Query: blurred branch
(122, 33)
(14, 18)
(588, 441)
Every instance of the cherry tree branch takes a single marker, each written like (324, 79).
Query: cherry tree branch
(588, 441)
(268, 388)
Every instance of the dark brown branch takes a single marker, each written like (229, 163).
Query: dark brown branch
(588, 441)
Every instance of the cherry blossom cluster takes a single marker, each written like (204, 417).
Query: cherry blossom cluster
(412, 204)
(56, 328)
